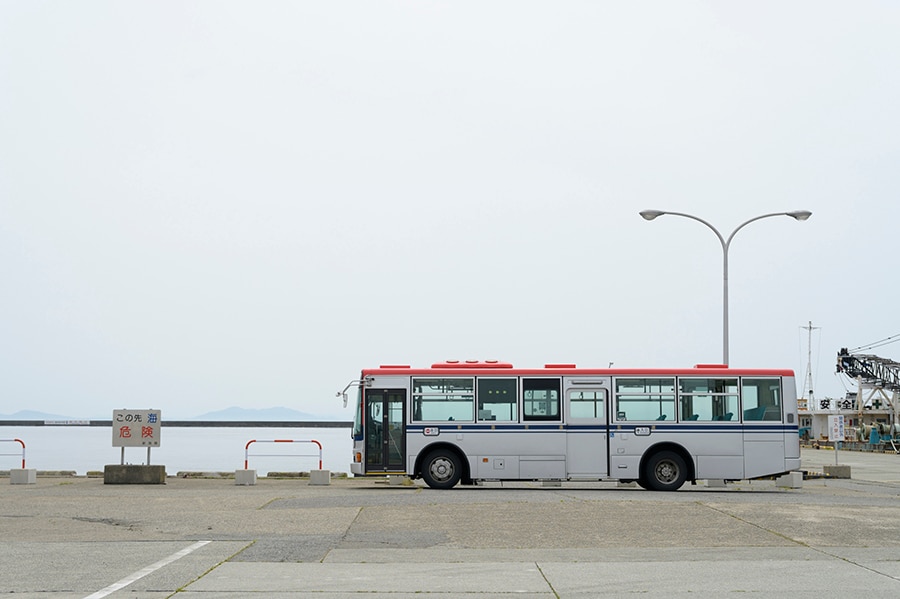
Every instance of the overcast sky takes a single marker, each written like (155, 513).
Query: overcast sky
(214, 204)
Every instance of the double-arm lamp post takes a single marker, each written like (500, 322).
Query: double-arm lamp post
(726, 243)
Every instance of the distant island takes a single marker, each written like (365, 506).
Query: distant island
(33, 415)
(270, 414)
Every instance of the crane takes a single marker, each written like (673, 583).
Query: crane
(879, 375)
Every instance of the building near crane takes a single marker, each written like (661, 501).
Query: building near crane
(871, 413)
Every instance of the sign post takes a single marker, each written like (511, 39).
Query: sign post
(836, 432)
(135, 428)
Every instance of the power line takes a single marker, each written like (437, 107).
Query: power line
(886, 341)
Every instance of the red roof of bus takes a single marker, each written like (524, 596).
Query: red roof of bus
(488, 367)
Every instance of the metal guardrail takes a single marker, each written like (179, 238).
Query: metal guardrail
(281, 455)
(22, 443)
(195, 423)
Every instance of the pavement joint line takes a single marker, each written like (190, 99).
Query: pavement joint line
(214, 566)
(847, 560)
(818, 550)
(346, 532)
(755, 525)
(131, 578)
(269, 502)
(547, 580)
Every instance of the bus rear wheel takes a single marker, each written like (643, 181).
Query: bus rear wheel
(441, 469)
(665, 471)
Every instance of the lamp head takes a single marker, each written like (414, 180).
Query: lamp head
(800, 214)
(651, 214)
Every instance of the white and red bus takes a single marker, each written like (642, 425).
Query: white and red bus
(464, 422)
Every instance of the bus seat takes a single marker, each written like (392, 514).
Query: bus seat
(757, 413)
(725, 416)
(662, 417)
(693, 417)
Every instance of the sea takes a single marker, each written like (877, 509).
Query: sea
(83, 449)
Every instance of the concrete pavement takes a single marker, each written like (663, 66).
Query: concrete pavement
(873, 467)
(76, 537)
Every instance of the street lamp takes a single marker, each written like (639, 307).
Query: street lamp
(726, 243)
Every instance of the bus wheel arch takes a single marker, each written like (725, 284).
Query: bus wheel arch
(442, 466)
(666, 467)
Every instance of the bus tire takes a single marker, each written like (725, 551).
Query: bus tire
(665, 471)
(441, 469)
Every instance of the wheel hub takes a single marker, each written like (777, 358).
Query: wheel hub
(441, 469)
(666, 472)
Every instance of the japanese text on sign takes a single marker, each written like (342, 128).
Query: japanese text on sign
(136, 428)
(836, 428)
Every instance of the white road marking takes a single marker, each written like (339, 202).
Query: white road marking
(145, 571)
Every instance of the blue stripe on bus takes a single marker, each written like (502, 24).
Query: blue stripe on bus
(747, 428)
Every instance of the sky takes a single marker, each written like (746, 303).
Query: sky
(216, 204)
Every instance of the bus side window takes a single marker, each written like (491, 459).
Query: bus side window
(449, 399)
(540, 399)
(761, 399)
(645, 398)
(587, 403)
(497, 400)
(708, 399)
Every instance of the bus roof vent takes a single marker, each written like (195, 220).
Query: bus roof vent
(710, 365)
(394, 366)
(559, 366)
(472, 364)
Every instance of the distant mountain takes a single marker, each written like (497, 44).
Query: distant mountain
(33, 415)
(271, 414)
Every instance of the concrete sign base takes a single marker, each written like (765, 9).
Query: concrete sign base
(245, 477)
(23, 476)
(837, 471)
(320, 477)
(128, 474)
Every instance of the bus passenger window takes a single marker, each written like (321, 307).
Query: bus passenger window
(708, 399)
(540, 399)
(645, 399)
(443, 399)
(497, 400)
(587, 403)
(761, 399)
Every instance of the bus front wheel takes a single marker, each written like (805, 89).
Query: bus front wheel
(441, 469)
(665, 471)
